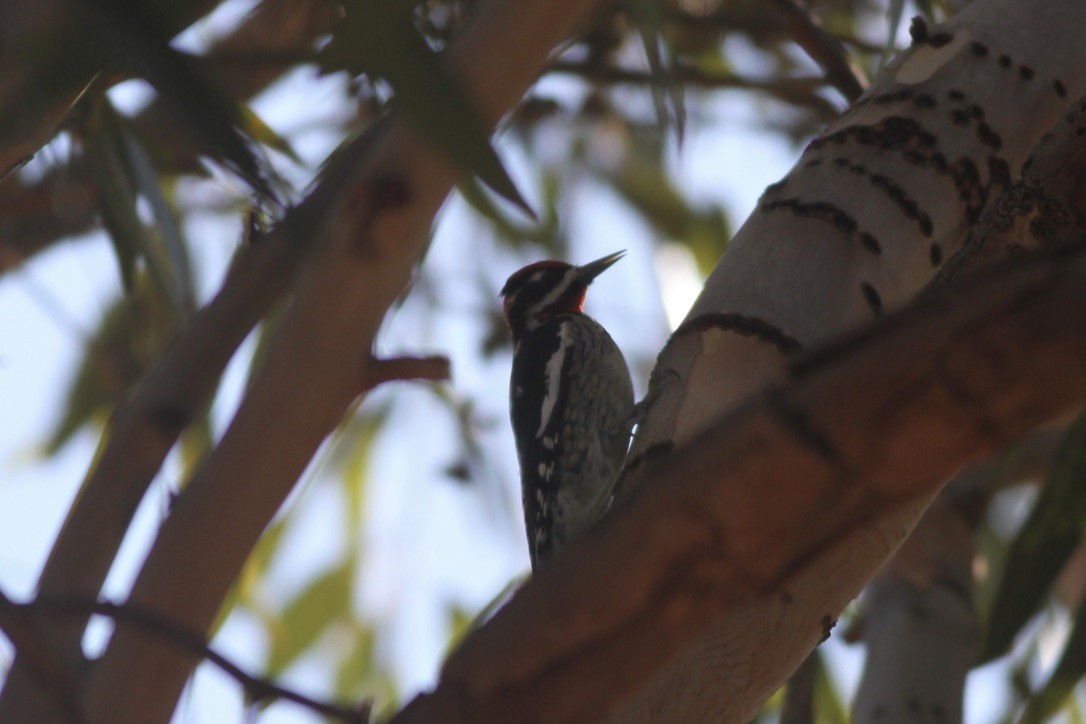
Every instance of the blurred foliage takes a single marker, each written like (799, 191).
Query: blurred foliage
(1037, 555)
(612, 113)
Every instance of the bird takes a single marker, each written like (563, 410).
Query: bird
(570, 397)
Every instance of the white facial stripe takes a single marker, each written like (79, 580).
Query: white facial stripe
(552, 378)
(560, 289)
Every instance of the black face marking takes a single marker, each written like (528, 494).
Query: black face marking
(534, 292)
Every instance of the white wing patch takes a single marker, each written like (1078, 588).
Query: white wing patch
(552, 377)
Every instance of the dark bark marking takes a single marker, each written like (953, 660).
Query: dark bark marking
(935, 254)
(999, 173)
(906, 203)
(1005, 62)
(1025, 72)
(744, 326)
(870, 243)
(814, 162)
(940, 39)
(1061, 89)
(955, 94)
(895, 97)
(893, 133)
(821, 210)
(871, 296)
(959, 117)
(988, 137)
(979, 49)
(923, 100)
(966, 180)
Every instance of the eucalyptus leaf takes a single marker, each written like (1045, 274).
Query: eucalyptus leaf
(379, 38)
(324, 601)
(1045, 703)
(132, 39)
(1048, 538)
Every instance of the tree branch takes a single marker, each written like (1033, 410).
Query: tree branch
(373, 239)
(14, 615)
(789, 479)
(823, 48)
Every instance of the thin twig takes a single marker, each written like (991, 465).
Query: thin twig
(392, 369)
(823, 48)
(257, 688)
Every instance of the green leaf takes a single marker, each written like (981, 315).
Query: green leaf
(649, 17)
(165, 251)
(360, 437)
(129, 338)
(357, 667)
(379, 38)
(828, 705)
(1043, 705)
(132, 39)
(1046, 541)
(116, 195)
(325, 600)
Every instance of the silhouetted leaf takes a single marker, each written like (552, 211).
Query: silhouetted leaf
(649, 17)
(116, 194)
(132, 39)
(164, 249)
(129, 338)
(379, 38)
(1047, 539)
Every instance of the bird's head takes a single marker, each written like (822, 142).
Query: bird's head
(540, 290)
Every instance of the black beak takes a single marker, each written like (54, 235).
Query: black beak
(593, 269)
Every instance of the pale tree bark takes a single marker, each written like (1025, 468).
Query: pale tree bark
(860, 225)
(918, 619)
(919, 616)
